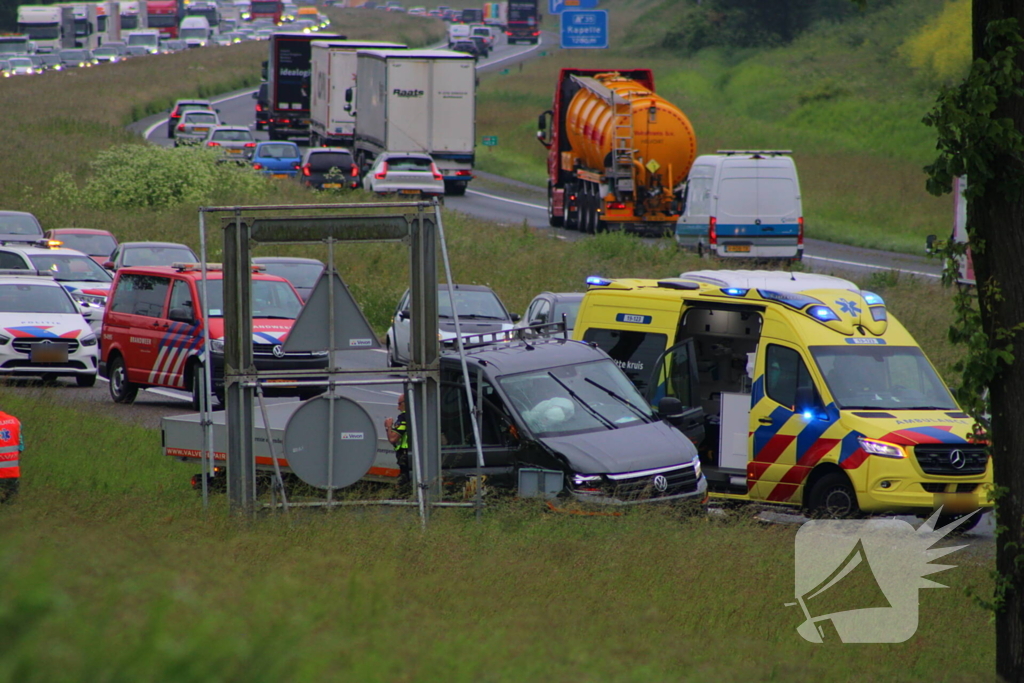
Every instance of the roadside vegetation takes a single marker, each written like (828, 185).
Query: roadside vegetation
(847, 97)
(111, 570)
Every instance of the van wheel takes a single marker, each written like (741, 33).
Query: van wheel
(85, 381)
(121, 390)
(833, 497)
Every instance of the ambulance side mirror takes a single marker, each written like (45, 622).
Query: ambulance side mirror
(807, 401)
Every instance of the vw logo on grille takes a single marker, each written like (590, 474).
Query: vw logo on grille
(661, 483)
(278, 351)
(957, 459)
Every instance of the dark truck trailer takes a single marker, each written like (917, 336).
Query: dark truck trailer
(523, 22)
(289, 71)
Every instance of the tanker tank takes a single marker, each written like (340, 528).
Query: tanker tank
(611, 106)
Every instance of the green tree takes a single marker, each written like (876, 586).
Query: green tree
(980, 126)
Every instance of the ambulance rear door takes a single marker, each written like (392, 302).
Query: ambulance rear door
(675, 376)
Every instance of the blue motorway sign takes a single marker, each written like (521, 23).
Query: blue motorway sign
(558, 6)
(585, 29)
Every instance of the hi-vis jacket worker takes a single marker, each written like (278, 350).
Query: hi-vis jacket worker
(11, 446)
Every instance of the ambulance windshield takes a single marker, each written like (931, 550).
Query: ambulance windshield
(878, 377)
(270, 299)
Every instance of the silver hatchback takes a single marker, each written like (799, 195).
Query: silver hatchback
(234, 142)
(194, 126)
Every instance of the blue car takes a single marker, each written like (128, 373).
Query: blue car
(277, 159)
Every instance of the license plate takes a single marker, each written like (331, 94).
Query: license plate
(234, 151)
(280, 175)
(332, 186)
(200, 130)
(410, 191)
(738, 247)
(49, 353)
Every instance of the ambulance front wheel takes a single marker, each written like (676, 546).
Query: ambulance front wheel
(833, 497)
(121, 390)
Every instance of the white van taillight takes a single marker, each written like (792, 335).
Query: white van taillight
(800, 233)
(712, 233)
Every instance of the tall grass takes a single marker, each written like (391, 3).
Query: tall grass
(111, 572)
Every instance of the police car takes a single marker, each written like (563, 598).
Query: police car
(86, 281)
(43, 331)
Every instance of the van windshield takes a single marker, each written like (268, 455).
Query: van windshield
(876, 377)
(270, 299)
(575, 399)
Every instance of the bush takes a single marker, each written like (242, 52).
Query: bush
(147, 176)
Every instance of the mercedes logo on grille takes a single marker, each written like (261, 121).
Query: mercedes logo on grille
(957, 459)
(661, 483)
(278, 351)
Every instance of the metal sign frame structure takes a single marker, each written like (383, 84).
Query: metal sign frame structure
(245, 226)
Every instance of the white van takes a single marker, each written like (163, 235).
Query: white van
(195, 31)
(743, 204)
(457, 32)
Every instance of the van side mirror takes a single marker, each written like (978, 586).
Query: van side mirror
(403, 315)
(515, 317)
(929, 243)
(806, 400)
(670, 409)
(348, 94)
(109, 265)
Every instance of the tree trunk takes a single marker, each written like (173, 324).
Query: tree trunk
(997, 221)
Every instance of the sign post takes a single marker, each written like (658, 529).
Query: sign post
(584, 29)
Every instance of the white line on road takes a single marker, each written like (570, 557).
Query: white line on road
(868, 265)
(510, 201)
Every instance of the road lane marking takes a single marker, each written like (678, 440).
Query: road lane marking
(510, 201)
(870, 266)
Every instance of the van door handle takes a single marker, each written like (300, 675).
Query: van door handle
(766, 420)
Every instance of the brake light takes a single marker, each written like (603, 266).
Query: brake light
(211, 143)
(295, 166)
(250, 144)
(437, 174)
(800, 234)
(382, 173)
(259, 107)
(617, 205)
(508, 33)
(305, 171)
(463, 173)
(355, 171)
(181, 127)
(257, 166)
(712, 233)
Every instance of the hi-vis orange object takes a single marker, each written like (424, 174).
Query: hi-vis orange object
(617, 152)
(11, 446)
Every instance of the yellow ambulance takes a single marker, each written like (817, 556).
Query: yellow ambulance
(798, 389)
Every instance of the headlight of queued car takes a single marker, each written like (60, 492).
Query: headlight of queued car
(92, 300)
(217, 345)
(4, 339)
(88, 340)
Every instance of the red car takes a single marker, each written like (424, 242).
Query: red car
(98, 244)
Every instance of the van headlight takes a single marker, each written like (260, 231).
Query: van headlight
(881, 448)
(217, 345)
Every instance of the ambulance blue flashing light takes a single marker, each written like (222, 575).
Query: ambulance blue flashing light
(792, 299)
(808, 414)
(822, 313)
(872, 299)
(598, 281)
(735, 291)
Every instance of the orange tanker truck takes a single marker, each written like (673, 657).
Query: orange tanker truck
(616, 152)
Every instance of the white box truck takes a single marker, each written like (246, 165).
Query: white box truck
(132, 16)
(50, 27)
(417, 101)
(108, 22)
(331, 123)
